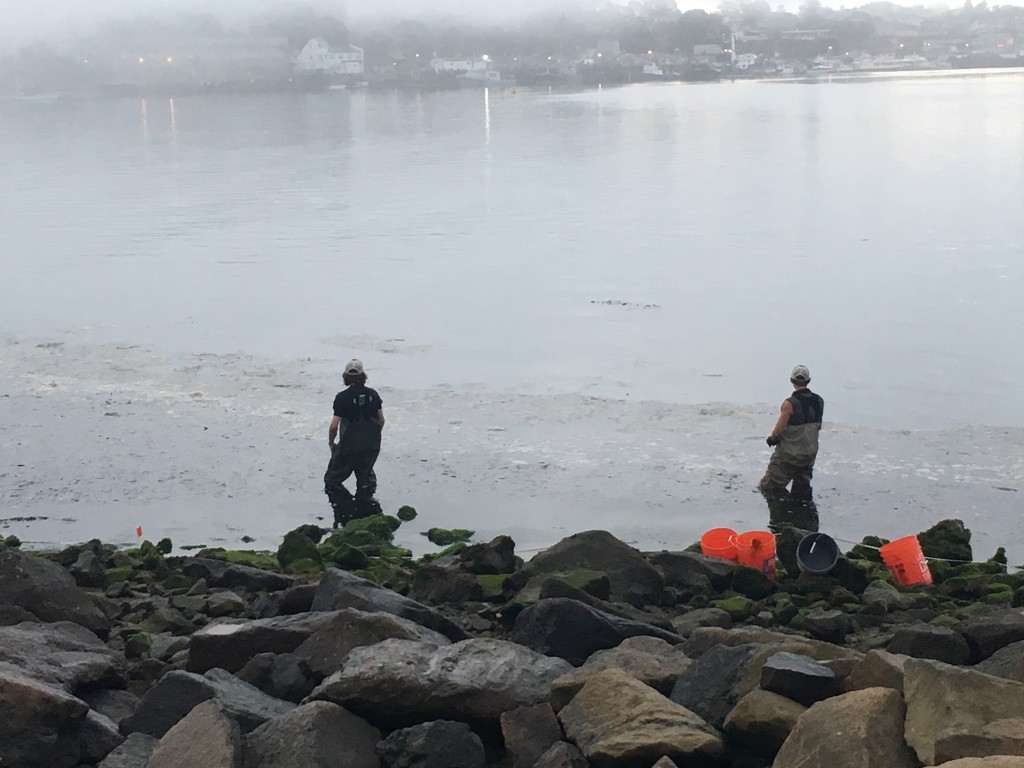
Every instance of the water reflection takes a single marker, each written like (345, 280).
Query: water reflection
(791, 510)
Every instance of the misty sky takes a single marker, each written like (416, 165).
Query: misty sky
(22, 20)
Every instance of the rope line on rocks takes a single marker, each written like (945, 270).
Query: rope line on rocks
(940, 559)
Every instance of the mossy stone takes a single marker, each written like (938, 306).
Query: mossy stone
(998, 598)
(164, 546)
(123, 573)
(948, 539)
(491, 584)
(406, 513)
(296, 546)
(263, 560)
(12, 542)
(994, 587)
(345, 556)
(752, 583)
(737, 606)
(306, 566)
(442, 537)
(868, 549)
(138, 645)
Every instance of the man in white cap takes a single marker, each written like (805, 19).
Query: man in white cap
(357, 424)
(795, 439)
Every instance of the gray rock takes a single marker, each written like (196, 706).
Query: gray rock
(650, 660)
(437, 744)
(97, 737)
(987, 634)
(167, 620)
(397, 682)
(48, 592)
(88, 570)
(573, 631)
(1000, 737)
(330, 634)
(340, 589)
(861, 729)
(618, 721)
(878, 669)
(219, 573)
(529, 732)
(799, 678)
(1007, 662)
(925, 642)
(701, 617)
(226, 603)
(177, 693)
(884, 595)
(496, 556)
(761, 721)
(633, 580)
(64, 654)
(206, 738)
(112, 703)
(164, 646)
(40, 723)
(134, 752)
(562, 755)
(15, 614)
(832, 626)
(437, 586)
(943, 700)
(996, 761)
(316, 735)
(288, 602)
(708, 687)
(680, 568)
(281, 675)
(703, 639)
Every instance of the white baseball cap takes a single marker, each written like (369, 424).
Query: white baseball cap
(354, 367)
(800, 373)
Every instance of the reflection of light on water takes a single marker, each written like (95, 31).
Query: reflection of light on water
(174, 120)
(487, 115)
(145, 119)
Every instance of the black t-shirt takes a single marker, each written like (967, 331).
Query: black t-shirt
(357, 406)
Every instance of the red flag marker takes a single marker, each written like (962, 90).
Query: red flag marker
(138, 531)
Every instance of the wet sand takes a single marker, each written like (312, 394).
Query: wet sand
(210, 448)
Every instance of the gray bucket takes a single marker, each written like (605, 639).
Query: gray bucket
(816, 553)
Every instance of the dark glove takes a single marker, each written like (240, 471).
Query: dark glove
(773, 441)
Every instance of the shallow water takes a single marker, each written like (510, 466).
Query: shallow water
(562, 280)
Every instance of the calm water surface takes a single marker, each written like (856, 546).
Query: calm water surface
(687, 243)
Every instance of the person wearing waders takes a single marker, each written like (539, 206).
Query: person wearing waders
(795, 439)
(357, 425)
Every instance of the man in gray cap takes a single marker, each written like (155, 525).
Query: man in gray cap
(357, 424)
(795, 439)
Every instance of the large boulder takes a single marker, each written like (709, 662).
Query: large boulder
(177, 693)
(633, 580)
(65, 654)
(878, 669)
(219, 573)
(987, 634)
(402, 682)
(1007, 662)
(562, 755)
(926, 642)
(761, 722)
(493, 557)
(437, 744)
(573, 630)
(684, 570)
(281, 675)
(315, 735)
(949, 707)
(42, 726)
(529, 732)
(710, 686)
(799, 678)
(650, 660)
(862, 729)
(340, 589)
(205, 738)
(133, 752)
(324, 638)
(48, 592)
(617, 721)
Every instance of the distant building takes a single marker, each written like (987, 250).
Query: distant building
(458, 66)
(708, 50)
(318, 56)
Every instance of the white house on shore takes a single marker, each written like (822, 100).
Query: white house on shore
(319, 57)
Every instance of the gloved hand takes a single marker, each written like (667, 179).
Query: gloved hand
(773, 441)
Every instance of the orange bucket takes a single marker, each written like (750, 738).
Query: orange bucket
(757, 549)
(718, 542)
(905, 561)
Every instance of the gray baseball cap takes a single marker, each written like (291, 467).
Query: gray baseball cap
(354, 367)
(800, 373)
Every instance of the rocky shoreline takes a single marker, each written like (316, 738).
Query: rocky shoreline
(341, 651)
